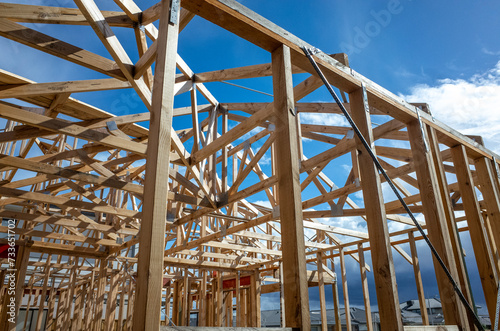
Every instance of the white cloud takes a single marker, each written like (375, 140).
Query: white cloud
(470, 106)
(489, 52)
(323, 119)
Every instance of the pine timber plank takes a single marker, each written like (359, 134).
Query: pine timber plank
(62, 126)
(66, 202)
(491, 195)
(482, 251)
(321, 284)
(418, 279)
(57, 15)
(71, 107)
(96, 20)
(56, 47)
(438, 231)
(152, 238)
(18, 91)
(294, 268)
(451, 220)
(21, 264)
(383, 265)
(364, 284)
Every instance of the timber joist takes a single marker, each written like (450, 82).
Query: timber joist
(137, 205)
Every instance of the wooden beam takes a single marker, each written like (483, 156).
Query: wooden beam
(70, 174)
(479, 238)
(418, 280)
(336, 304)
(57, 15)
(345, 290)
(59, 48)
(101, 290)
(61, 126)
(435, 219)
(364, 284)
(385, 282)
(67, 202)
(294, 267)
(147, 310)
(252, 71)
(9, 316)
(321, 284)
(152, 14)
(236, 18)
(110, 41)
(448, 208)
(111, 301)
(18, 91)
(486, 178)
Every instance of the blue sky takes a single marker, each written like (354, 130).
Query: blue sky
(446, 53)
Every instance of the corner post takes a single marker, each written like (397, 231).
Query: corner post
(147, 306)
(479, 238)
(437, 228)
(292, 228)
(383, 265)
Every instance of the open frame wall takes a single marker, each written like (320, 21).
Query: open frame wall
(188, 203)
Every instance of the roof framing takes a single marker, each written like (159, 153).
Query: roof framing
(95, 198)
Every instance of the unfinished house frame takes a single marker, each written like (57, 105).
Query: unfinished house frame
(118, 226)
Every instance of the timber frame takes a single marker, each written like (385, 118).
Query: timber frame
(112, 216)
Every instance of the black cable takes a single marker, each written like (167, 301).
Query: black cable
(477, 322)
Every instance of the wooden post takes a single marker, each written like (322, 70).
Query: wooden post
(71, 293)
(121, 309)
(257, 299)
(253, 309)
(383, 265)
(491, 195)
(185, 299)
(293, 247)
(491, 237)
(321, 283)
(52, 299)
(61, 302)
(238, 300)
(147, 312)
(418, 280)
(437, 228)
(455, 242)
(89, 303)
(111, 301)
(79, 303)
(336, 305)
(28, 305)
(189, 300)
(8, 322)
(130, 296)
(364, 284)
(246, 305)
(230, 309)
(175, 303)
(219, 300)
(211, 303)
(168, 295)
(2, 285)
(203, 300)
(482, 251)
(282, 296)
(41, 304)
(347, 309)
(101, 290)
